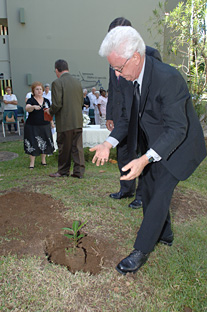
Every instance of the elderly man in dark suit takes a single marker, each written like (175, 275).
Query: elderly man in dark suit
(67, 101)
(160, 118)
(115, 107)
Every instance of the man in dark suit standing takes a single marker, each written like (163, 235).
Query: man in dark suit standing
(67, 101)
(115, 107)
(161, 118)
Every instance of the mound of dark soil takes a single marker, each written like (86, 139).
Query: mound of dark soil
(31, 223)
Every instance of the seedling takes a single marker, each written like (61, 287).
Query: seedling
(76, 236)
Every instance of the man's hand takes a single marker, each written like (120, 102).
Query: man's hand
(136, 167)
(110, 125)
(102, 153)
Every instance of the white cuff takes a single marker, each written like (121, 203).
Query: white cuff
(114, 142)
(151, 153)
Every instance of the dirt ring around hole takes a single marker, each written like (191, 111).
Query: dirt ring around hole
(87, 257)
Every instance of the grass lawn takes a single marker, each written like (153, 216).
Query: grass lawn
(173, 279)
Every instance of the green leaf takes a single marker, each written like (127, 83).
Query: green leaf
(80, 236)
(69, 235)
(67, 229)
(75, 226)
(81, 225)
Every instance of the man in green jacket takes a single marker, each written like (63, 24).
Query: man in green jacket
(67, 101)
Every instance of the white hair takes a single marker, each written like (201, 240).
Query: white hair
(85, 90)
(124, 41)
(97, 92)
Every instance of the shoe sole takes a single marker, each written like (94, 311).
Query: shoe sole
(165, 243)
(135, 207)
(121, 197)
(62, 176)
(124, 273)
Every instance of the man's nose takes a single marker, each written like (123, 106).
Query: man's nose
(117, 73)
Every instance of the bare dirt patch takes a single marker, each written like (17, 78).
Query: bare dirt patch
(187, 204)
(31, 223)
(4, 156)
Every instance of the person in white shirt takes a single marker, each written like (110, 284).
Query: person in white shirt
(102, 103)
(92, 97)
(47, 93)
(96, 111)
(10, 104)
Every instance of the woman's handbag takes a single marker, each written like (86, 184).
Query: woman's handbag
(47, 117)
(10, 119)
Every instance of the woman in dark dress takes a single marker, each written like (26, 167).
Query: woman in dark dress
(86, 102)
(37, 131)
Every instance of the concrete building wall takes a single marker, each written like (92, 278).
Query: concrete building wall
(72, 30)
(3, 13)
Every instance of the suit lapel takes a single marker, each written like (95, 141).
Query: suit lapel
(146, 84)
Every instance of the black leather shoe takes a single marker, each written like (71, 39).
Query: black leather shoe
(166, 240)
(58, 175)
(120, 195)
(132, 263)
(137, 203)
(76, 176)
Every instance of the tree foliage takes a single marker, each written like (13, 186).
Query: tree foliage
(186, 30)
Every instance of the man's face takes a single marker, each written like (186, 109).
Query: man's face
(93, 90)
(8, 91)
(129, 67)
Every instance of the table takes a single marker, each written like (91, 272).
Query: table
(93, 135)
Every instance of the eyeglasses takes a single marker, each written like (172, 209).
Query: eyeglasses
(120, 69)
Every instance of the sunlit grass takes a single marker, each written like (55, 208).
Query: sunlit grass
(172, 279)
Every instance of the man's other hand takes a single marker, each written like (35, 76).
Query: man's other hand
(102, 153)
(136, 167)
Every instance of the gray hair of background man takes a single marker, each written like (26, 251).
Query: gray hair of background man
(124, 41)
(61, 65)
(85, 90)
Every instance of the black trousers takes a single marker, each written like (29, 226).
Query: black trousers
(70, 145)
(157, 189)
(123, 159)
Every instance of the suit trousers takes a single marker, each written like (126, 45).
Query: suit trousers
(70, 145)
(157, 190)
(123, 159)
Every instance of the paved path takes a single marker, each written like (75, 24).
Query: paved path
(13, 136)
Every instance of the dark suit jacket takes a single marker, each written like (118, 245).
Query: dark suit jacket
(167, 118)
(115, 99)
(67, 101)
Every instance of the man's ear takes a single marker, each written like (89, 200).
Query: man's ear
(137, 58)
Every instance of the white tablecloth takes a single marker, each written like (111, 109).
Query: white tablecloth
(93, 135)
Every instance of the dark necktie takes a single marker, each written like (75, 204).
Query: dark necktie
(134, 120)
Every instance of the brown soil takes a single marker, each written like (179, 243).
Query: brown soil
(31, 223)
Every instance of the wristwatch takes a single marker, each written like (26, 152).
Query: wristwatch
(150, 158)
